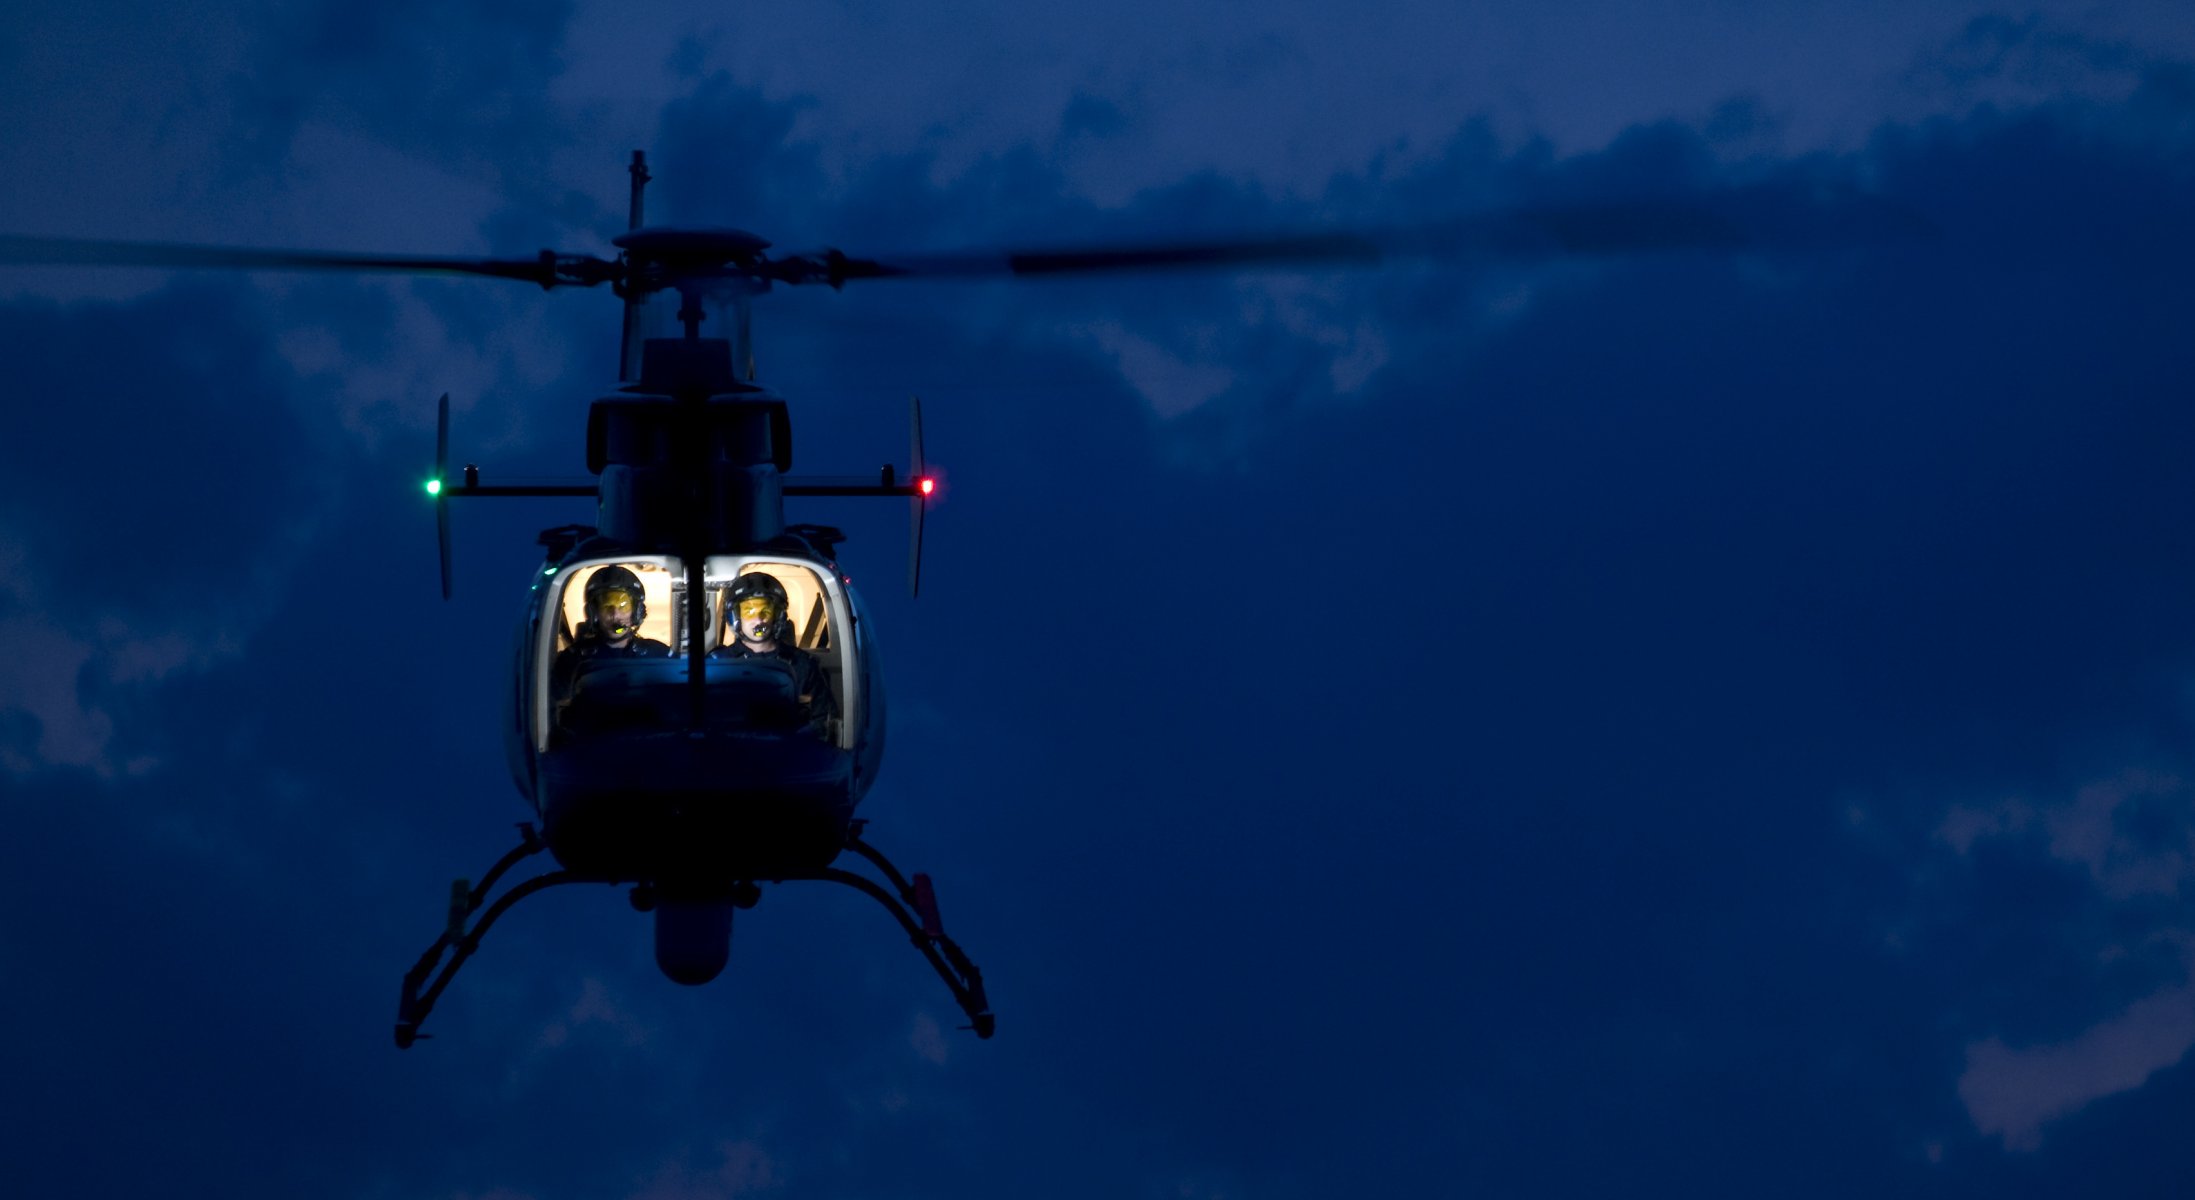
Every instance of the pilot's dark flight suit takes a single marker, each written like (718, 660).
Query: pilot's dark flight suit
(810, 681)
(568, 659)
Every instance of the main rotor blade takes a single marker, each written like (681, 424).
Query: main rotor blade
(1290, 250)
(1729, 220)
(547, 268)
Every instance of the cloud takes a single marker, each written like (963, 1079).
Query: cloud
(1655, 553)
(2012, 1093)
(38, 679)
(149, 525)
(1089, 116)
(2132, 834)
(597, 1005)
(1169, 384)
(2135, 834)
(741, 1167)
(927, 1040)
(462, 84)
(2014, 62)
(1206, 1184)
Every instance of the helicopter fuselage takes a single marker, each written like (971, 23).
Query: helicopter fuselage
(695, 705)
(638, 775)
(680, 765)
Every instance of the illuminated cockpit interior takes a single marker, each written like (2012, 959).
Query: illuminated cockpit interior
(612, 650)
(808, 609)
(659, 623)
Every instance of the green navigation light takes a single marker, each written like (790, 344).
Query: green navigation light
(434, 487)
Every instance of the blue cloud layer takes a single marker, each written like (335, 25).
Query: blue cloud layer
(1445, 782)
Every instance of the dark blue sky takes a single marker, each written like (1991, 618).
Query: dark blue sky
(1703, 723)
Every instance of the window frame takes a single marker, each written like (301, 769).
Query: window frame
(717, 574)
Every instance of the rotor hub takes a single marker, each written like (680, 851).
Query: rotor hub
(692, 248)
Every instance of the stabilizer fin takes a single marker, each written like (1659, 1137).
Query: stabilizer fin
(919, 502)
(442, 487)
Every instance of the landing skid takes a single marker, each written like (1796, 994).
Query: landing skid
(914, 907)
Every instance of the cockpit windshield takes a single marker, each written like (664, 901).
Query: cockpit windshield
(614, 653)
(801, 610)
(610, 604)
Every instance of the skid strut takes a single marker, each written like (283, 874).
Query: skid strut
(458, 943)
(914, 906)
(923, 927)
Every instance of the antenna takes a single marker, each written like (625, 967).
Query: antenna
(630, 338)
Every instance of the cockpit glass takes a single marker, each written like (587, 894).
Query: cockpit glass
(616, 660)
(768, 602)
(623, 605)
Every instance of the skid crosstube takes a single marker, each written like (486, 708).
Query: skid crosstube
(927, 933)
(913, 903)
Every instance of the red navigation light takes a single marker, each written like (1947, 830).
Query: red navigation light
(927, 484)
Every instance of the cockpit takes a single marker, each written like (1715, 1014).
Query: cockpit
(611, 651)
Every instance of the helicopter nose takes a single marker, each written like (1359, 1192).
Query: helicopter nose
(693, 939)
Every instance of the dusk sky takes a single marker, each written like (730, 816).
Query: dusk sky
(1695, 723)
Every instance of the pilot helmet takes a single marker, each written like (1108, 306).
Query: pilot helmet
(760, 589)
(615, 580)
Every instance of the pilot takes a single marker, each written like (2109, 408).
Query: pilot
(762, 627)
(616, 605)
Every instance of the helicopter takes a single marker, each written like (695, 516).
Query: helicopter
(696, 708)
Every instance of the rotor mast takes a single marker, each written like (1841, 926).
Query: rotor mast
(690, 458)
(628, 349)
